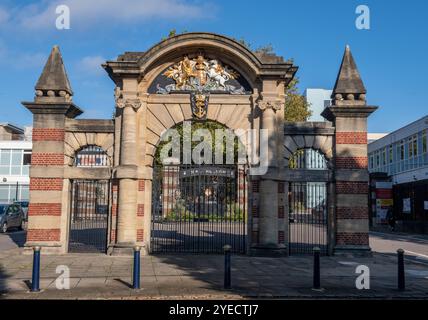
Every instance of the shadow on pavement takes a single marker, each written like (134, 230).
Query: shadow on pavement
(18, 237)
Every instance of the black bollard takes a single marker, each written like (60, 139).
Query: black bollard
(227, 275)
(35, 279)
(401, 277)
(317, 273)
(136, 273)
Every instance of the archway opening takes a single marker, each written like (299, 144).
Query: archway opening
(199, 204)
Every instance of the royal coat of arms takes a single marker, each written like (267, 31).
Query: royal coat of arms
(201, 75)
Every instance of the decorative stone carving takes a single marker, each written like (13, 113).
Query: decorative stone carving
(199, 74)
(274, 105)
(122, 103)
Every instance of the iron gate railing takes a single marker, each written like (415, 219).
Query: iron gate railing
(89, 215)
(198, 209)
(308, 227)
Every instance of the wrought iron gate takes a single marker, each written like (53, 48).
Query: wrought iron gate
(198, 209)
(308, 217)
(89, 215)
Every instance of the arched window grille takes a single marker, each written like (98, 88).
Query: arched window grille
(308, 159)
(91, 156)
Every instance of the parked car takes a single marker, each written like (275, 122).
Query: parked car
(24, 206)
(11, 216)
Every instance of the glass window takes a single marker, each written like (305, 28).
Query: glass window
(415, 146)
(25, 170)
(308, 159)
(4, 193)
(384, 156)
(390, 154)
(26, 159)
(424, 141)
(402, 150)
(15, 170)
(377, 159)
(25, 193)
(410, 147)
(5, 158)
(16, 157)
(4, 169)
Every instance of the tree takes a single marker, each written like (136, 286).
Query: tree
(296, 107)
(212, 126)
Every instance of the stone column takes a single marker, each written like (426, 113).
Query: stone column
(126, 172)
(270, 240)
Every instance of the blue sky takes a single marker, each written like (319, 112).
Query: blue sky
(391, 56)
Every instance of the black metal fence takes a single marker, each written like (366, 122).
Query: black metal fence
(89, 215)
(198, 209)
(308, 217)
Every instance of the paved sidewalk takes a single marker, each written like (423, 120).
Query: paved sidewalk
(201, 277)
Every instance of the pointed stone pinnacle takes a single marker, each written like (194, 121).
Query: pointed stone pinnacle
(54, 77)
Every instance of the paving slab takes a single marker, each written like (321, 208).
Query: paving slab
(198, 276)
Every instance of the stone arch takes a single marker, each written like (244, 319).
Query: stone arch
(168, 51)
(75, 141)
(161, 117)
(321, 143)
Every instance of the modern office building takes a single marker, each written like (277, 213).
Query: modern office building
(15, 158)
(403, 156)
(319, 99)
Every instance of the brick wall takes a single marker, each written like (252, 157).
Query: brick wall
(352, 238)
(47, 158)
(351, 138)
(281, 237)
(351, 163)
(44, 209)
(46, 184)
(352, 187)
(352, 213)
(43, 234)
(48, 134)
(140, 235)
(140, 210)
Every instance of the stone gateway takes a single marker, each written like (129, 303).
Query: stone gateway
(96, 185)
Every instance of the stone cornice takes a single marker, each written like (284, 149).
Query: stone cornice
(309, 128)
(66, 108)
(333, 112)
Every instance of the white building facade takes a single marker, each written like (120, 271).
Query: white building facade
(319, 99)
(403, 156)
(15, 159)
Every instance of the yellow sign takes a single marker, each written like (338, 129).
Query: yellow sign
(385, 202)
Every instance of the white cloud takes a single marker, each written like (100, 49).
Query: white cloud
(84, 13)
(91, 65)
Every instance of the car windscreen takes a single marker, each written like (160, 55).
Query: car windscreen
(2, 209)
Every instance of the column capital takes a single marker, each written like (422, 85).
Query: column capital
(274, 105)
(123, 103)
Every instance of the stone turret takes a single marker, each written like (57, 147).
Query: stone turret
(52, 108)
(349, 114)
(349, 88)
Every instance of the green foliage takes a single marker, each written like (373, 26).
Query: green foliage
(212, 126)
(173, 33)
(296, 107)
